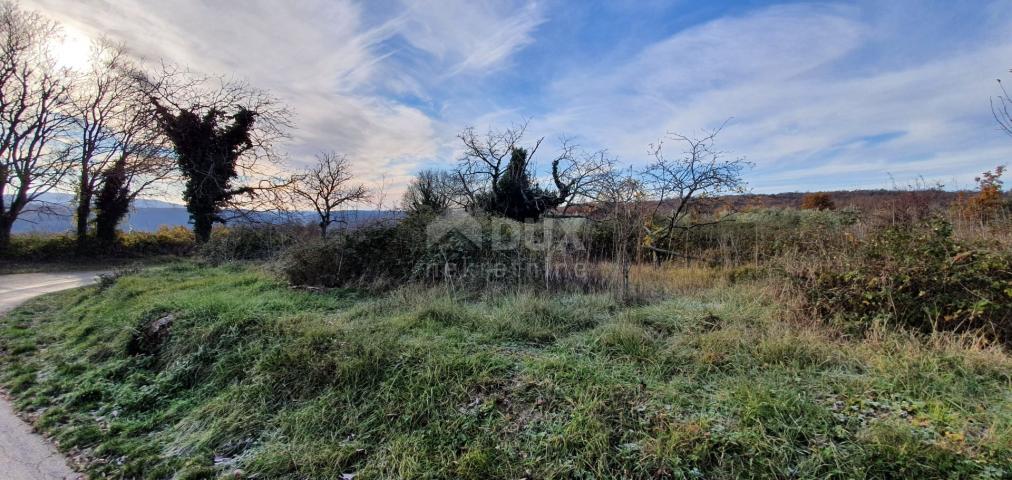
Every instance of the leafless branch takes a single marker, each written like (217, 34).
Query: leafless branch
(326, 187)
(1000, 108)
(700, 171)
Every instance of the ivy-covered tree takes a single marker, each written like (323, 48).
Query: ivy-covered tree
(516, 195)
(112, 203)
(208, 146)
(220, 131)
(496, 174)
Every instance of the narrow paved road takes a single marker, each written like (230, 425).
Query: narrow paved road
(25, 455)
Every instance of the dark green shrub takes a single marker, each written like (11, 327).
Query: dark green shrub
(919, 277)
(381, 255)
(316, 262)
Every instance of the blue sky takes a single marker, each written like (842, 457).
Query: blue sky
(821, 95)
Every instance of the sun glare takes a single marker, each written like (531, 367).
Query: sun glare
(73, 50)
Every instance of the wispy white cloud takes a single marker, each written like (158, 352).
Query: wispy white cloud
(330, 60)
(787, 74)
(823, 95)
(470, 35)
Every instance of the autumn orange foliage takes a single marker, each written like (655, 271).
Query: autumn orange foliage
(817, 201)
(989, 202)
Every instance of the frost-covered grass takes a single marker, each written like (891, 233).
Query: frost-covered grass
(421, 383)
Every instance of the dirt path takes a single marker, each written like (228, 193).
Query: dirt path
(25, 455)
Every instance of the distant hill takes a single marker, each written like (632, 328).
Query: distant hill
(861, 199)
(147, 215)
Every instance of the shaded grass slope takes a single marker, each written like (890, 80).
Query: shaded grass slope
(183, 371)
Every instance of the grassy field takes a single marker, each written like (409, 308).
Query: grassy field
(718, 381)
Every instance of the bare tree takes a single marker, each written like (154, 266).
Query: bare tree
(497, 173)
(138, 160)
(621, 197)
(326, 187)
(581, 173)
(117, 138)
(701, 171)
(431, 191)
(34, 96)
(1001, 108)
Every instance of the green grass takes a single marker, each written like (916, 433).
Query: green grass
(424, 384)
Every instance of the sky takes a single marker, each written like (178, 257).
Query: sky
(817, 95)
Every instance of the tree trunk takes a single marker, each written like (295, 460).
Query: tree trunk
(202, 227)
(108, 218)
(5, 233)
(105, 232)
(83, 212)
(83, 201)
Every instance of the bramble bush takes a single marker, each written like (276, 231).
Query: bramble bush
(917, 276)
(369, 256)
(506, 253)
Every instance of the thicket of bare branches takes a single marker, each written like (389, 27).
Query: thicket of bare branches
(326, 187)
(622, 200)
(431, 192)
(580, 173)
(698, 172)
(34, 98)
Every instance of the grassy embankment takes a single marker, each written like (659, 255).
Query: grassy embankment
(715, 382)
